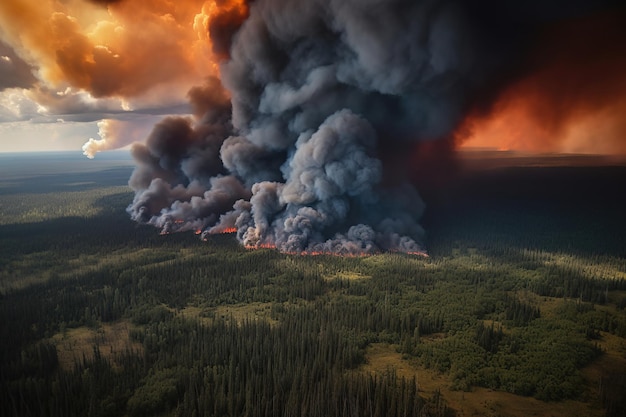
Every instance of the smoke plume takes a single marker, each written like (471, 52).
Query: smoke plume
(297, 144)
(116, 134)
(290, 156)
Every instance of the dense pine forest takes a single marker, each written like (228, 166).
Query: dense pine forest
(520, 304)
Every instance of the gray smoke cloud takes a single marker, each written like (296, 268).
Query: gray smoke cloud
(290, 156)
(316, 91)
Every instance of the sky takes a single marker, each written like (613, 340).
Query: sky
(71, 70)
(100, 74)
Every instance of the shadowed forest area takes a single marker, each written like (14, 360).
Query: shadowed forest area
(519, 310)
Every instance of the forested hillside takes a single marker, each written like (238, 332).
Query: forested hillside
(523, 294)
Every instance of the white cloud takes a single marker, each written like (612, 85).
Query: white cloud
(115, 134)
(15, 105)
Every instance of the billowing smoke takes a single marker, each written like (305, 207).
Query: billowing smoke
(294, 145)
(313, 119)
(116, 134)
(290, 156)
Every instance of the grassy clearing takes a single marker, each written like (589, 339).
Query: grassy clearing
(347, 275)
(241, 312)
(74, 345)
(236, 312)
(197, 313)
(480, 401)
(613, 360)
(610, 268)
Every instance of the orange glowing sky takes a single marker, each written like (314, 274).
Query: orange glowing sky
(571, 99)
(70, 69)
(87, 60)
(123, 50)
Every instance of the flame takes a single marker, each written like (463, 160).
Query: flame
(352, 255)
(422, 254)
(220, 230)
(327, 253)
(261, 246)
(340, 254)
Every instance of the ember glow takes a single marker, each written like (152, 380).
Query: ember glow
(308, 123)
(261, 246)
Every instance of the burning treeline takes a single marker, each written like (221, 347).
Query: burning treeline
(313, 117)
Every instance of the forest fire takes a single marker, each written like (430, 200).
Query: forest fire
(295, 122)
(348, 251)
(261, 246)
(290, 151)
(302, 140)
(343, 254)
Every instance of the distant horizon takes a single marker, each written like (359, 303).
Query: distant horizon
(66, 151)
(464, 150)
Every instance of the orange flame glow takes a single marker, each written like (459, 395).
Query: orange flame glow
(261, 246)
(571, 99)
(422, 254)
(343, 255)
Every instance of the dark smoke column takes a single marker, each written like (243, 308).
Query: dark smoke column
(318, 91)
